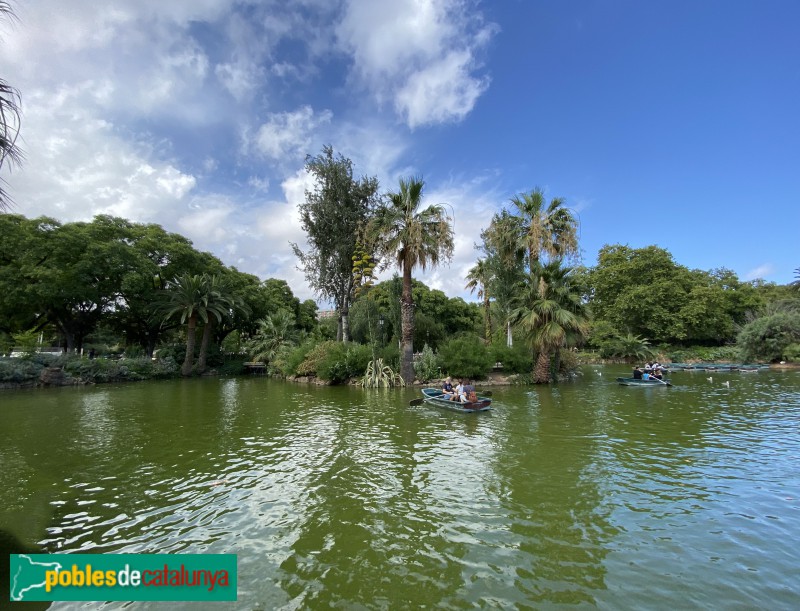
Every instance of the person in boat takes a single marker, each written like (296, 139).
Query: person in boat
(447, 387)
(648, 367)
(637, 373)
(458, 391)
(469, 395)
(646, 375)
(657, 373)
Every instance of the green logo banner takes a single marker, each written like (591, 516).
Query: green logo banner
(123, 577)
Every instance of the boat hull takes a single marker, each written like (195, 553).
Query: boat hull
(637, 382)
(434, 396)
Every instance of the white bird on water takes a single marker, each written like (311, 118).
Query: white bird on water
(726, 383)
(710, 379)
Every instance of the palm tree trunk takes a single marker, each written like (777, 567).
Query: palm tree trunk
(541, 372)
(186, 368)
(509, 337)
(407, 328)
(201, 359)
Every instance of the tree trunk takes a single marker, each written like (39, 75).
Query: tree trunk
(186, 368)
(541, 372)
(345, 323)
(407, 328)
(487, 318)
(509, 337)
(201, 359)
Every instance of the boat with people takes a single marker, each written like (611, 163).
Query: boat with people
(435, 396)
(651, 381)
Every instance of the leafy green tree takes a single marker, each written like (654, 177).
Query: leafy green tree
(9, 121)
(478, 278)
(768, 338)
(412, 236)
(332, 216)
(551, 315)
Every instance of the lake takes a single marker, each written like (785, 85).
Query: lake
(582, 494)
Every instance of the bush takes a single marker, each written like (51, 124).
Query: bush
(343, 361)
(426, 367)
(768, 337)
(19, 370)
(517, 359)
(465, 357)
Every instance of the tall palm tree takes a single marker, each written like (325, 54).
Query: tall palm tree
(190, 298)
(549, 229)
(551, 314)
(478, 278)
(9, 120)
(413, 237)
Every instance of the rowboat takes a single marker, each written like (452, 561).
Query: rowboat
(435, 396)
(640, 382)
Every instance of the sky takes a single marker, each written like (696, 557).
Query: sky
(673, 123)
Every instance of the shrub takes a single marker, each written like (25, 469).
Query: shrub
(343, 361)
(314, 357)
(19, 370)
(379, 375)
(768, 337)
(465, 357)
(289, 361)
(792, 353)
(426, 367)
(517, 359)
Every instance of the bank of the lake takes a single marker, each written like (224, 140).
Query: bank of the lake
(584, 493)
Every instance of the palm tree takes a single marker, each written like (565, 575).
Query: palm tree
(190, 298)
(505, 260)
(549, 229)
(221, 300)
(413, 237)
(274, 332)
(478, 278)
(9, 121)
(550, 313)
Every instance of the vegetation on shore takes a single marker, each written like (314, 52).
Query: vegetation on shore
(114, 288)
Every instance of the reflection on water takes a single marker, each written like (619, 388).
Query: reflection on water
(586, 494)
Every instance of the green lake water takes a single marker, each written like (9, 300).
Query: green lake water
(584, 494)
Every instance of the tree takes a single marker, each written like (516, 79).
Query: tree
(191, 298)
(413, 237)
(222, 301)
(550, 313)
(549, 229)
(478, 277)
(275, 332)
(332, 216)
(506, 262)
(9, 121)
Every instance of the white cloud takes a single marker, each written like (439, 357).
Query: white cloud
(760, 272)
(418, 53)
(287, 134)
(441, 92)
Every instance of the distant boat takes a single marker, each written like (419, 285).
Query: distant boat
(641, 382)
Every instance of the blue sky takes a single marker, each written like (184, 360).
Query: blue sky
(672, 123)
